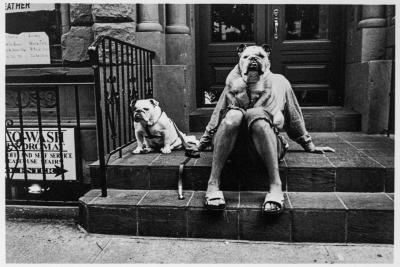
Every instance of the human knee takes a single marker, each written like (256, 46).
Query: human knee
(260, 126)
(233, 118)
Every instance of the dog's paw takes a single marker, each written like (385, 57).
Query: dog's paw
(138, 150)
(166, 150)
(147, 150)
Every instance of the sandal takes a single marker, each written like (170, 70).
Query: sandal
(274, 198)
(213, 197)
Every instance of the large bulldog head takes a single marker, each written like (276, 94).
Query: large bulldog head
(254, 59)
(144, 110)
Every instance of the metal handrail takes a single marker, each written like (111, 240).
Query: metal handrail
(122, 72)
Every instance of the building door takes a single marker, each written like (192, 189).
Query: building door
(306, 40)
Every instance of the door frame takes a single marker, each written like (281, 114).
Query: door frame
(264, 16)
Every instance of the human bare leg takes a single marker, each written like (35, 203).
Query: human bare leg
(265, 142)
(225, 139)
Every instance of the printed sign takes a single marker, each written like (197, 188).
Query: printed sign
(27, 48)
(25, 7)
(51, 147)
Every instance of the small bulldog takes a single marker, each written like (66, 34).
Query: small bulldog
(154, 130)
(250, 87)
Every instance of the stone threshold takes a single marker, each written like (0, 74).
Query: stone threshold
(308, 217)
(317, 119)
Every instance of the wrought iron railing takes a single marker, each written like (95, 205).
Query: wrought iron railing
(36, 136)
(122, 72)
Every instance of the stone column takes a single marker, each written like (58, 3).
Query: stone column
(78, 37)
(178, 40)
(148, 18)
(176, 19)
(373, 32)
(65, 22)
(149, 31)
(176, 85)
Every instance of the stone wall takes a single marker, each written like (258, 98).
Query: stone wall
(369, 47)
(167, 29)
(75, 42)
(88, 21)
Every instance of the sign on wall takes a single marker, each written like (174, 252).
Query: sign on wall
(26, 7)
(27, 48)
(51, 148)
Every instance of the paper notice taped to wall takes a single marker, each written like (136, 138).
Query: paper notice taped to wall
(27, 48)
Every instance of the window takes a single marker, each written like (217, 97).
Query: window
(232, 23)
(36, 18)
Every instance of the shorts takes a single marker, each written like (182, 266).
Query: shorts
(244, 143)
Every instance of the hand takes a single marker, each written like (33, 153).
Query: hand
(321, 149)
(310, 147)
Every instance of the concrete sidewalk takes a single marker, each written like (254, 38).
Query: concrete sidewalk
(56, 241)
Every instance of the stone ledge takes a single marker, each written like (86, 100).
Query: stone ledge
(308, 217)
(42, 212)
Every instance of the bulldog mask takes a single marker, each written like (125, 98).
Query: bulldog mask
(254, 61)
(250, 86)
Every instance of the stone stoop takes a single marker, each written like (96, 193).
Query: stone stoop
(317, 119)
(362, 163)
(338, 217)
(345, 196)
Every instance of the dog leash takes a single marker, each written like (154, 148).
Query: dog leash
(191, 151)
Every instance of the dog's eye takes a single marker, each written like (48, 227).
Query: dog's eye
(146, 109)
(261, 55)
(245, 56)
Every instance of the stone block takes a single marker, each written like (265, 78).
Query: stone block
(125, 31)
(373, 43)
(212, 224)
(75, 44)
(367, 88)
(173, 228)
(360, 180)
(154, 41)
(389, 180)
(164, 177)
(114, 12)
(254, 225)
(112, 220)
(178, 49)
(80, 14)
(170, 89)
(370, 226)
(319, 226)
(311, 179)
(128, 177)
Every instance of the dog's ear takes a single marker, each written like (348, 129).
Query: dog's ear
(132, 104)
(240, 49)
(267, 48)
(154, 102)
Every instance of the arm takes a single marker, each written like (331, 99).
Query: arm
(295, 125)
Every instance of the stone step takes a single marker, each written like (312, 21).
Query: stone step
(308, 217)
(362, 163)
(317, 119)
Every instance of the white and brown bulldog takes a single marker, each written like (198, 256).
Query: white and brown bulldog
(250, 86)
(154, 130)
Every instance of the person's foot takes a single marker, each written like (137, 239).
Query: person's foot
(214, 198)
(273, 202)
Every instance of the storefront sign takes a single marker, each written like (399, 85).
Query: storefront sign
(27, 48)
(25, 7)
(52, 155)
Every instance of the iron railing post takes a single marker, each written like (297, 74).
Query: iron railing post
(94, 58)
